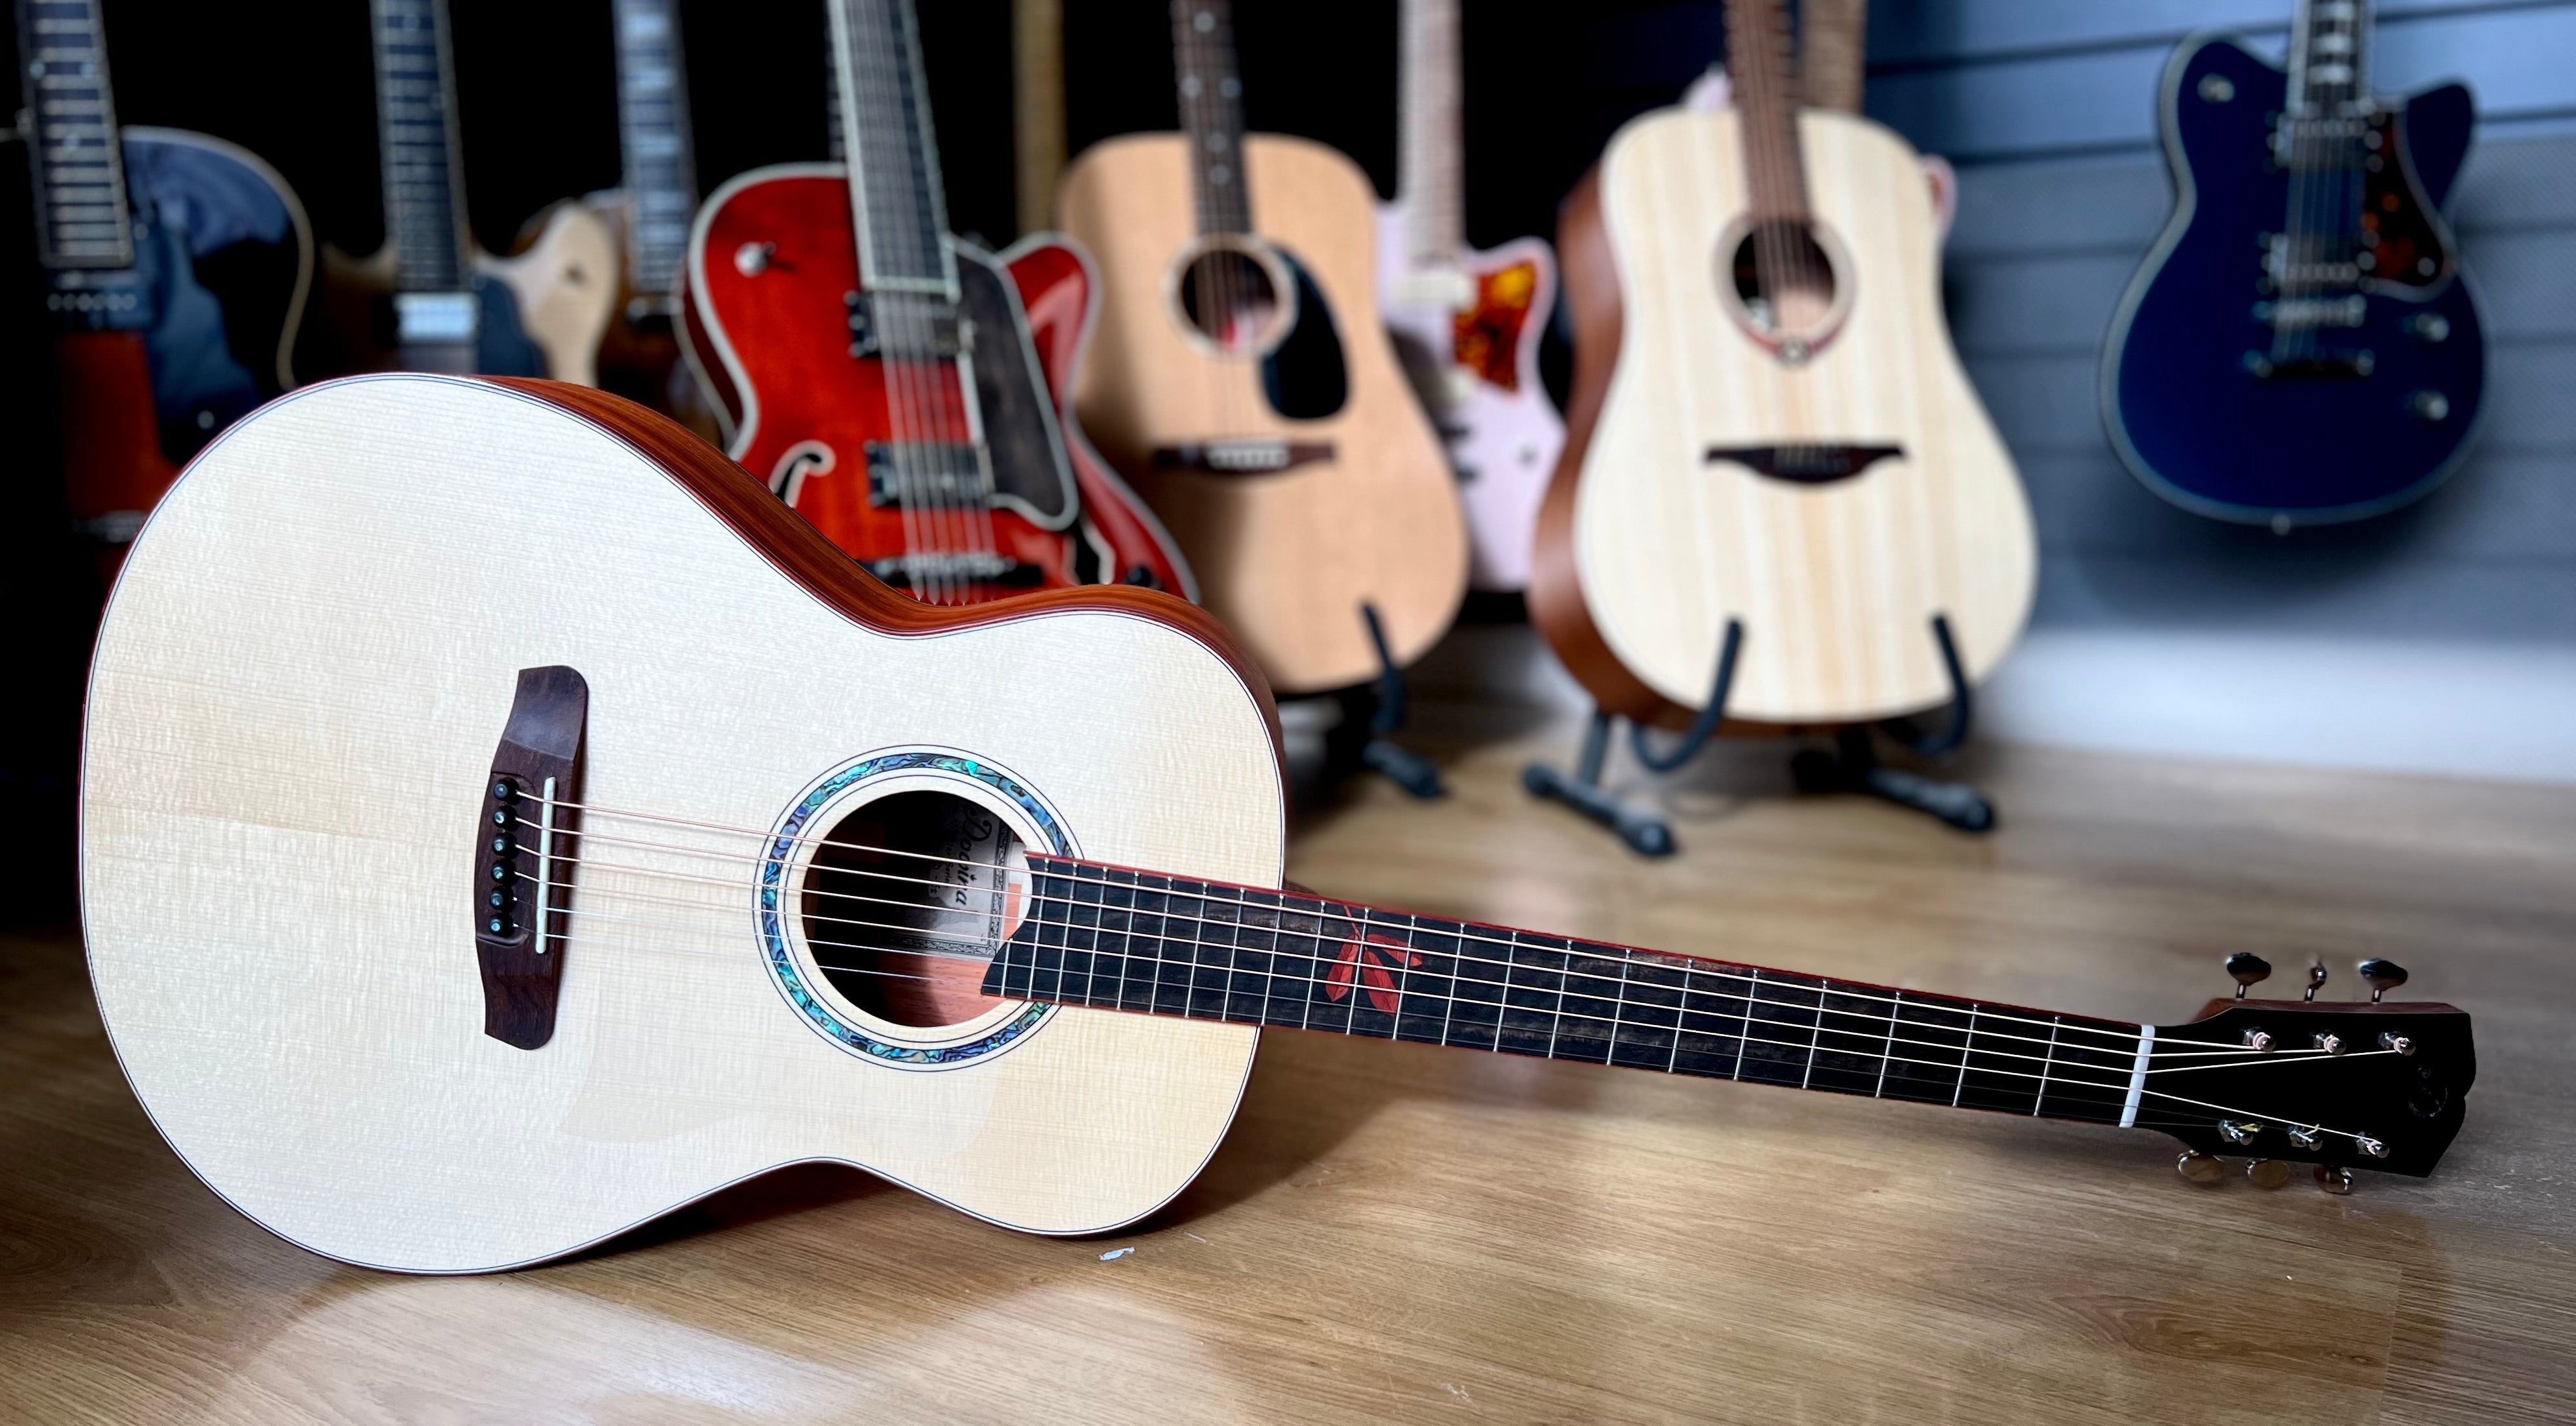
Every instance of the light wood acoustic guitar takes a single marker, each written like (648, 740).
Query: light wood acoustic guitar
(643, 844)
(1467, 323)
(429, 300)
(901, 388)
(1243, 382)
(1770, 431)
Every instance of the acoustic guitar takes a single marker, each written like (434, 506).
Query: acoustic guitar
(895, 385)
(2300, 346)
(1243, 381)
(176, 267)
(428, 300)
(1467, 323)
(1770, 431)
(644, 844)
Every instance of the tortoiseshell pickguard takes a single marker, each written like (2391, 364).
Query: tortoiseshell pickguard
(1488, 334)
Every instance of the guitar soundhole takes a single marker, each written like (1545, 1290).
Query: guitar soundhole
(906, 902)
(1232, 300)
(1785, 285)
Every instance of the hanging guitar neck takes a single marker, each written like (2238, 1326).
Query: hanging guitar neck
(84, 227)
(1211, 89)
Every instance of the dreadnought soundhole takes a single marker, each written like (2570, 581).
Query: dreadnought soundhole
(1234, 299)
(1783, 281)
(906, 902)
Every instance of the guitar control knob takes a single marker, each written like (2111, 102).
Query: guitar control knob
(2316, 978)
(2267, 1173)
(2247, 970)
(2306, 1136)
(2381, 976)
(2238, 1131)
(2430, 326)
(2430, 406)
(2334, 1178)
(2258, 1040)
(2200, 1168)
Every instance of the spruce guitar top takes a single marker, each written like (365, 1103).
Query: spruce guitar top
(1773, 446)
(1244, 383)
(644, 844)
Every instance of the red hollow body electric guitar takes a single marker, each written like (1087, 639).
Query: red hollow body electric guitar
(901, 389)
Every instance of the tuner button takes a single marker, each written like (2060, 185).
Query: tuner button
(2246, 968)
(2381, 976)
(2238, 1131)
(2334, 1178)
(2368, 1145)
(2258, 1040)
(2316, 978)
(2267, 1173)
(2200, 1168)
(2391, 1040)
(2306, 1136)
(2330, 1043)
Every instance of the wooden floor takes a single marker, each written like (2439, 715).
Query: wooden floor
(1411, 1233)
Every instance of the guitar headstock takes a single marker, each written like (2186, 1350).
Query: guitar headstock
(2349, 1084)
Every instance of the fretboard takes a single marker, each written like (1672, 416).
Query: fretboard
(893, 155)
(416, 129)
(2329, 73)
(653, 129)
(1111, 938)
(78, 168)
(1766, 106)
(1211, 112)
(1431, 188)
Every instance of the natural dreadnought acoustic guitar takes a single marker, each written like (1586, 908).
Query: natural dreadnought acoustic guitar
(1772, 445)
(644, 844)
(1243, 382)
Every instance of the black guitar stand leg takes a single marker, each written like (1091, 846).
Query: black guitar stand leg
(1645, 833)
(1402, 766)
(1854, 765)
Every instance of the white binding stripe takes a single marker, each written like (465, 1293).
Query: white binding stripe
(2138, 1077)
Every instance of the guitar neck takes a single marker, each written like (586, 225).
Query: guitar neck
(82, 221)
(1212, 112)
(1758, 64)
(416, 129)
(1431, 187)
(1113, 938)
(2329, 54)
(893, 155)
(661, 180)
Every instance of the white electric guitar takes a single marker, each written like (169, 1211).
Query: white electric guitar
(475, 867)
(1467, 323)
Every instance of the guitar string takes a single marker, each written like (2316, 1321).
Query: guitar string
(1206, 898)
(2053, 1073)
(2060, 1072)
(994, 947)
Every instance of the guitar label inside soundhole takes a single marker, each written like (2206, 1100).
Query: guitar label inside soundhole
(906, 901)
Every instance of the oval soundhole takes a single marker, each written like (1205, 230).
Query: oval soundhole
(1233, 300)
(1784, 283)
(906, 902)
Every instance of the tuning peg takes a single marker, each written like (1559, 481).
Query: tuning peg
(2316, 978)
(2334, 1178)
(2381, 976)
(2267, 1173)
(2246, 969)
(2200, 1168)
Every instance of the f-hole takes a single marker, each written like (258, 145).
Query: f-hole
(906, 902)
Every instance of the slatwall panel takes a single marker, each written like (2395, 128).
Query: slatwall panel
(2048, 107)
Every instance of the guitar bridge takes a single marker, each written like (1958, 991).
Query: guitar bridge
(1242, 457)
(524, 855)
(1809, 464)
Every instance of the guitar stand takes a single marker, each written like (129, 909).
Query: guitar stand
(1380, 709)
(1853, 767)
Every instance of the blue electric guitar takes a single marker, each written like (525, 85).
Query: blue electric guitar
(2301, 346)
(176, 267)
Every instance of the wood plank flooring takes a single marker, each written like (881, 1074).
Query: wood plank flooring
(1409, 1233)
